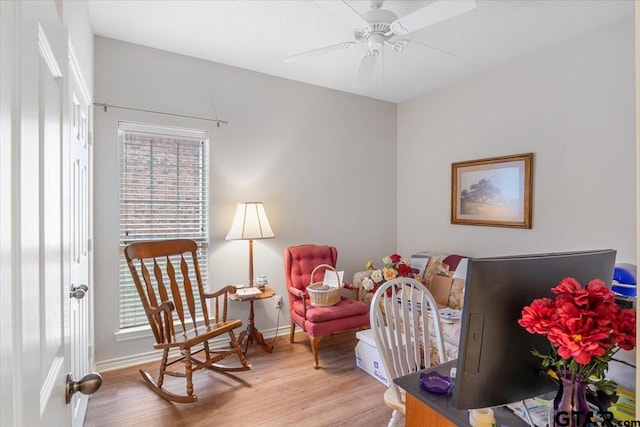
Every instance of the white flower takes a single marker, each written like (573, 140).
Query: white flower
(367, 284)
(386, 260)
(405, 261)
(376, 276)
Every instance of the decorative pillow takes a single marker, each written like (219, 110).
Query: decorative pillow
(456, 296)
(434, 267)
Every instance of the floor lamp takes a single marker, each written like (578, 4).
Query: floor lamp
(250, 223)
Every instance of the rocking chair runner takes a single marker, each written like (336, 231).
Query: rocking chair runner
(164, 297)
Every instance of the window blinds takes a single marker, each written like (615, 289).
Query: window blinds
(163, 195)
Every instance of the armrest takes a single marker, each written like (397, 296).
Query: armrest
(166, 306)
(163, 329)
(303, 296)
(220, 304)
(230, 289)
(297, 292)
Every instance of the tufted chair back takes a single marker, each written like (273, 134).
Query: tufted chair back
(299, 262)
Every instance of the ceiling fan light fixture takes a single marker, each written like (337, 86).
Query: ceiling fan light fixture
(376, 43)
(397, 28)
(399, 45)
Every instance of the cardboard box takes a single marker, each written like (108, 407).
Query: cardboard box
(368, 358)
(441, 288)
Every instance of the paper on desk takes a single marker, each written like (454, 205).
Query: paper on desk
(539, 412)
(331, 280)
(450, 314)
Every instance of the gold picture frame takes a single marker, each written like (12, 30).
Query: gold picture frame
(494, 192)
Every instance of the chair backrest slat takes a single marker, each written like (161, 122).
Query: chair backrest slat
(404, 313)
(148, 298)
(175, 293)
(203, 303)
(165, 330)
(151, 294)
(162, 291)
(425, 337)
(188, 290)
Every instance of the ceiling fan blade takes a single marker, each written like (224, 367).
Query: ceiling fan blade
(316, 52)
(431, 14)
(365, 69)
(437, 49)
(343, 11)
(435, 57)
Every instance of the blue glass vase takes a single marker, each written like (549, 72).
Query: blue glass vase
(570, 407)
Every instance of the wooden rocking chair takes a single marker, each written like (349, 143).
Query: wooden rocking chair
(169, 299)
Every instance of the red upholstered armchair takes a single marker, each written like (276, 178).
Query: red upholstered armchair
(299, 262)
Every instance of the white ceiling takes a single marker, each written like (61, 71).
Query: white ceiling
(257, 34)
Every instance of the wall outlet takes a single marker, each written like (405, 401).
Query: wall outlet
(277, 301)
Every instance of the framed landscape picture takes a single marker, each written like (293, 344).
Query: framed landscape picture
(492, 192)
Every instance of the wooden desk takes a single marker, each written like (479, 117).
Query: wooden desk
(251, 334)
(437, 410)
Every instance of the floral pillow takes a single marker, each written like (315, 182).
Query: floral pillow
(456, 296)
(434, 267)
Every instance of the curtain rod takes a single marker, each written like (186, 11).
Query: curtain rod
(104, 106)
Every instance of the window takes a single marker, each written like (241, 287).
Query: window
(163, 195)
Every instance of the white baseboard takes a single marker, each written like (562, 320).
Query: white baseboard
(156, 355)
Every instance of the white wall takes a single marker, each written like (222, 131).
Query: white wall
(76, 21)
(322, 161)
(573, 105)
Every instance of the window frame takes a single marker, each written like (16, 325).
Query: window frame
(136, 325)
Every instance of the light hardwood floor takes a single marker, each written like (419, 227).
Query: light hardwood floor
(282, 389)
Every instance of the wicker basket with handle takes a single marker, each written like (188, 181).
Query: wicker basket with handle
(324, 297)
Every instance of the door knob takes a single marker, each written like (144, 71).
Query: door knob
(89, 384)
(78, 292)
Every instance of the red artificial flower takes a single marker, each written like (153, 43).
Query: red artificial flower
(579, 347)
(539, 316)
(395, 258)
(567, 286)
(404, 270)
(624, 329)
(581, 323)
(598, 290)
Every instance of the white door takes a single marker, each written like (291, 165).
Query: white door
(8, 301)
(79, 185)
(35, 233)
(42, 283)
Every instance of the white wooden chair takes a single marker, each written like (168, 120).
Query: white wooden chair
(400, 312)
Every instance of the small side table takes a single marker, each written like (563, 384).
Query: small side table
(251, 334)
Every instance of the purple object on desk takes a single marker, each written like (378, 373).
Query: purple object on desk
(435, 383)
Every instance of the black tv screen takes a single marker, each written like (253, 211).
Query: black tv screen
(495, 364)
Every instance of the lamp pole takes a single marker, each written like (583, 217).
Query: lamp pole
(250, 262)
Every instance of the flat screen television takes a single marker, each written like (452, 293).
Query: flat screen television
(495, 365)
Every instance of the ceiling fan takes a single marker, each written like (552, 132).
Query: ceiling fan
(379, 26)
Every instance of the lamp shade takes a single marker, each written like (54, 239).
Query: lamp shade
(250, 223)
